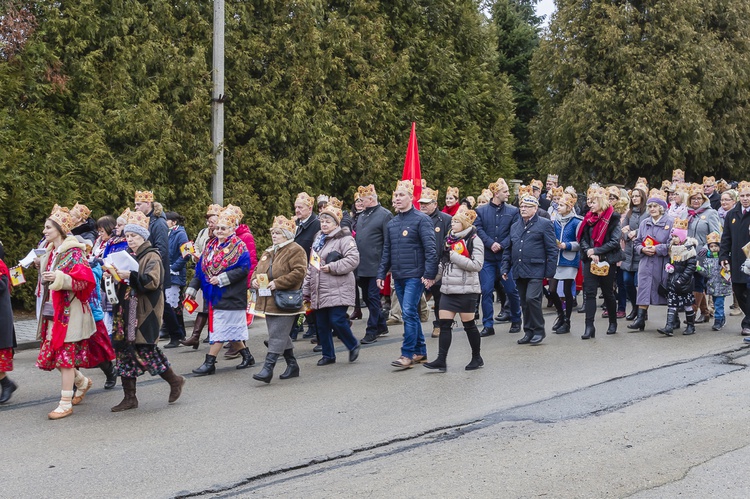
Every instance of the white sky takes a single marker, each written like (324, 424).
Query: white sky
(545, 8)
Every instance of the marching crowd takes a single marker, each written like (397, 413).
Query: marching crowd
(110, 289)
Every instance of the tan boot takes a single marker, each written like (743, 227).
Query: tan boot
(436, 332)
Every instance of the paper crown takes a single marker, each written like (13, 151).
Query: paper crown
(641, 186)
(678, 175)
(657, 194)
(230, 216)
(642, 180)
(743, 186)
(81, 210)
(336, 202)
(61, 216)
(366, 190)
(428, 195)
(681, 223)
(709, 181)
(332, 211)
(524, 190)
(568, 200)
(496, 187)
(305, 198)
(356, 196)
(556, 192)
(405, 185)
(465, 216)
(138, 218)
(552, 178)
(529, 199)
(572, 191)
(213, 209)
(322, 199)
(713, 237)
(594, 190)
(696, 190)
(484, 197)
(283, 223)
(144, 197)
(666, 185)
(536, 183)
(613, 190)
(452, 191)
(722, 186)
(124, 214)
(471, 201)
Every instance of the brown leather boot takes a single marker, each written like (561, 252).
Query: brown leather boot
(176, 382)
(129, 401)
(195, 339)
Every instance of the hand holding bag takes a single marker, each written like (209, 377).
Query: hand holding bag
(287, 300)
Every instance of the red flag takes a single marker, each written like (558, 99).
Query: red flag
(412, 170)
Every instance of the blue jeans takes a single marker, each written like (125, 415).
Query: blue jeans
(330, 319)
(409, 292)
(719, 308)
(487, 277)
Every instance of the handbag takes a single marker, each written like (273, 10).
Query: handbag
(287, 300)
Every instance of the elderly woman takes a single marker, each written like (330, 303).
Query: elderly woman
(460, 263)
(702, 220)
(629, 267)
(678, 202)
(138, 316)
(66, 322)
(330, 288)
(599, 237)
(652, 243)
(282, 267)
(221, 273)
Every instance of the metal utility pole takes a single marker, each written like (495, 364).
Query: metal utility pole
(217, 103)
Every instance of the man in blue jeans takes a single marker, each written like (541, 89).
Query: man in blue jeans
(410, 254)
(493, 224)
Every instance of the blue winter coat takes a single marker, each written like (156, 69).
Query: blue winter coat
(532, 253)
(570, 256)
(177, 237)
(410, 248)
(493, 224)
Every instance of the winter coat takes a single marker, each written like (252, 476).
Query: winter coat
(709, 266)
(532, 253)
(442, 223)
(334, 288)
(632, 257)
(459, 274)
(201, 240)
(289, 263)
(159, 239)
(683, 259)
(7, 328)
(147, 285)
(370, 229)
(87, 230)
(570, 256)
(715, 200)
(610, 251)
(651, 271)
(306, 232)
(177, 237)
(703, 224)
(243, 232)
(409, 250)
(736, 234)
(493, 224)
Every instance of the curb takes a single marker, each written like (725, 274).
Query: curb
(28, 345)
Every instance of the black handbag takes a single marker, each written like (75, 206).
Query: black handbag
(287, 300)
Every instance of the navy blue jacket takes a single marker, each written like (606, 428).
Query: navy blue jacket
(409, 249)
(159, 239)
(306, 233)
(532, 253)
(177, 237)
(493, 224)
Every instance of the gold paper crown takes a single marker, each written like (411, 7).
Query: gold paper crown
(430, 194)
(536, 183)
(572, 191)
(487, 193)
(496, 187)
(138, 218)
(593, 190)
(336, 202)
(568, 200)
(281, 222)
(656, 193)
(452, 191)
(696, 190)
(642, 180)
(722, 186)
(742, 186)
(680, 223)
(641, 186)
(306, 199)
(525, 190)
(678, 175)
(61, 216)
(366, 190)
(713, 237)
(230, 216)
(405, 185)
(82, 211)
(666, 185)
(465, 216)
(144, 197)
(356, 196)
(552, 178)
(125, 214)
(709, 181)
(471, 201)
(332, 211)
(556, 192)
(613, 190)
(323, 198)
(213, 209)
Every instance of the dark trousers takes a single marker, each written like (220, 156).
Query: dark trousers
(742, 295)
(371, 295)
(591, 283)
(170, 321)
(530, 292)
(328, 320)
(436, 294)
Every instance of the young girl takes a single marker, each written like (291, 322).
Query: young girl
(718, 285)
(680, 282)
(566, 228)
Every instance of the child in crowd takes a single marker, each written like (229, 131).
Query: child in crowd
(719, 284)
(680, 282)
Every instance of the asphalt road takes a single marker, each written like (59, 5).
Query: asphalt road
(628, 414)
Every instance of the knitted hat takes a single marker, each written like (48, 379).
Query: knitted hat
(81, 210)
(657, 197)
(137, 224)
(61, 216)
(428, 195)
(144, 197)
(529, 200)
(496, 187)
(465, 216)
(305, 198)
(679, 229)
(406, 186)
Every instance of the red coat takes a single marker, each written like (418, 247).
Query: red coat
(243, 232)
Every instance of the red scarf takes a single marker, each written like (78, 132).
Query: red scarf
(599, 222)
(693, 213)
(451, 210)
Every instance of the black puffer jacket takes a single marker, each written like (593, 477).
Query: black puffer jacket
(682, 280)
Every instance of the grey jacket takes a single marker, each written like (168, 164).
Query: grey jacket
(334, 288)
(460, 274)
(704, 223)
(632, 257)
(371, 226)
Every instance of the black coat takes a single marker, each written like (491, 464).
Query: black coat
(682, 280)
(86, 230)
(715, 200)
(306, 233)
(370, 236)
(442, 223)
(159, 239)
(532, 253)
(7, 328)
(736, 234)
(610, 251)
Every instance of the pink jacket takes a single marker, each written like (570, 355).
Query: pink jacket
(243, 232)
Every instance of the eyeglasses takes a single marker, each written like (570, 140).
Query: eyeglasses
(276, 233)
(222, 227)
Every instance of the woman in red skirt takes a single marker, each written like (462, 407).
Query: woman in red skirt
(66, 321)
(7, 332)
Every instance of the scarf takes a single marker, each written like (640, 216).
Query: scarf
(72, 262)
(320, 241)
(451, 210)
(693, 213)
(599, 223)
(454, 237)
(219, 258)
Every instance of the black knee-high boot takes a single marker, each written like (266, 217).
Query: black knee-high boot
(557, 302)
(475, 341)
(444, 344)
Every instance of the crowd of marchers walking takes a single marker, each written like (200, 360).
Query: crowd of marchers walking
(109, 290)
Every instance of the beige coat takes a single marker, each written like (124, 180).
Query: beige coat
(81, 323)
(289, 267)
(334, 288)
(460, 275)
